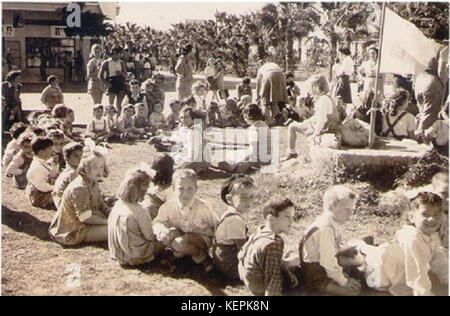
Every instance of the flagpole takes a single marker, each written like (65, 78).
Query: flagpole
(375, 98)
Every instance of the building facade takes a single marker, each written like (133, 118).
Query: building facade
(33, 39)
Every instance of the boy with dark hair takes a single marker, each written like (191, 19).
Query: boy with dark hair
(41, 175)
(260, 259)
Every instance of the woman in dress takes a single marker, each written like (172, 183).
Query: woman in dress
(95, 85)
(183, 69)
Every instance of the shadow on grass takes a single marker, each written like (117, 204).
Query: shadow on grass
(24, 222)
(187, 269)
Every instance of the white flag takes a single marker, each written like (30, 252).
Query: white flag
(405, 49)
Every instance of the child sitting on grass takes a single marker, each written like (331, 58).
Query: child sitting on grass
(159, 190)
(130, 234)
(260, 259)
(140, 121)
(414, 262)
(21, 162)
(260, 143)
(437, 134)
(98, 129)
(397, 122)
(325, 118)
(174, 117)
(157, 119)
(244, 89)
(125, 126)
(214, 115)
(185, 223)
(320, 244)
(231, 231)
(237, 118)
(82, 215)
(13, 146)
(57, 136)
(72, 155)
(52, 94)
(41, 175)
(183, 144)
(111, 121)
(293, 91)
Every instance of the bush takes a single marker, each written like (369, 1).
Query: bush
(420, 173)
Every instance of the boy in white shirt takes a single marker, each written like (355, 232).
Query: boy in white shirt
(185, 223)
(157, 118)
(414, 263)
(321, 243)
(40, 175)
(21, 162)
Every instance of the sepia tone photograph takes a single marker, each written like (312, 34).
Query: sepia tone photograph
(224, 149)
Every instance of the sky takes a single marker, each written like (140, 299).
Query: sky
(160, 16)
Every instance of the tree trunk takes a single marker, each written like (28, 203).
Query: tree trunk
(289, 50)
(333, 41)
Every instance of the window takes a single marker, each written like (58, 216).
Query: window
(52, 51)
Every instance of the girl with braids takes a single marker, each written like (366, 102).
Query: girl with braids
(397, 122)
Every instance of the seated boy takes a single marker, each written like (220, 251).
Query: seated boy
(244, 88)
(185, 223)
(260, 258)
(174, 117)
(41, 176)
(320, 244)
(72, 155)
(437, 134)
(97, 129)
(414, 263)
(13, 146)
(21, 162)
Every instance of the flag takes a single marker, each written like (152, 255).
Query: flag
(405, 49)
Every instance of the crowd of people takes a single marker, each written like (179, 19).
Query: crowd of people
(156, 214)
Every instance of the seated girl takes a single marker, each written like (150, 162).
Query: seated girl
(98, 129)
(72, 155)
(130, 234)
(82, 215)
(135, 96)
(324, 120)
(159, 190)
(397, 122)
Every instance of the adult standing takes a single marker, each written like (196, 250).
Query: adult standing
(429, 94)
(95, 85)
(368, 71)
(344, 72)
(183, 70)
(271, 90)
(43, 65)
(11, 103)
(113, 73)
(79, 65)
(67, 64)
